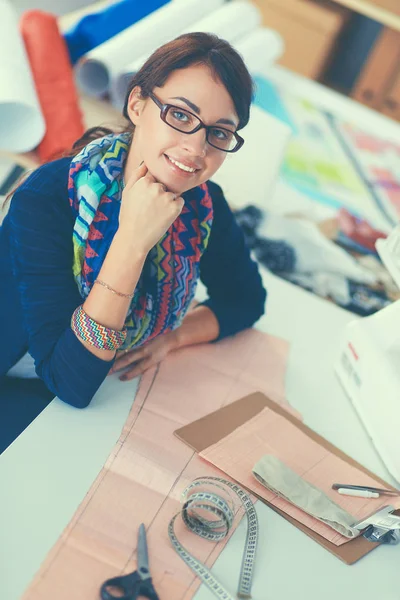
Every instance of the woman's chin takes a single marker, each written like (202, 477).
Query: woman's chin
(175, 186)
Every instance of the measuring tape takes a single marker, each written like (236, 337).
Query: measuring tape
(216, 530)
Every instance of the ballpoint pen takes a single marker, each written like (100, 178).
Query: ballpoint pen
(363, 491)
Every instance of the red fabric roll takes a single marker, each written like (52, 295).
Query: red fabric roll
(54, 81)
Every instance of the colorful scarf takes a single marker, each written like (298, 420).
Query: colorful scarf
(170, 274)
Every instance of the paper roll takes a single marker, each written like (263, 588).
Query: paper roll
(249, 176)
(21, 122)
(54, 82)
(95, 71)
(231, 22)
(97, 27)
(260, 49)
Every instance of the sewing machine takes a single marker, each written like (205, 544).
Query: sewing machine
(369, 366)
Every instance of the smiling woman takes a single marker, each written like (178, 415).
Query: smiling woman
(101, 250)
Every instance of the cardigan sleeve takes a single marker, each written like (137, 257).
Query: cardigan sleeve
(236, 294)
(41, 225)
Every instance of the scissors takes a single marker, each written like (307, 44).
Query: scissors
(136, 584)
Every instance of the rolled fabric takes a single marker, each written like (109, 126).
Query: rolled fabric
(98, 27)
(231, 21)
(21, 122)
(96, 70)
(280, 479)
(54, 82)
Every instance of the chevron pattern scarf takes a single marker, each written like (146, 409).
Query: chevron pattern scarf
(170, 274)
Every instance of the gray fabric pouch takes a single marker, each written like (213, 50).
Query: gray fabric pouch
(273, 474)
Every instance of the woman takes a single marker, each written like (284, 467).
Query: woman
(101, 252)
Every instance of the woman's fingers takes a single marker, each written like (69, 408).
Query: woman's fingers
(180, 203)
(118, 366)
(161, 187)
(138, 369)
(124, 359)
(136, 174)
(147, 209)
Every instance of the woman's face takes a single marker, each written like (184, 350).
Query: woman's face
(155, 142)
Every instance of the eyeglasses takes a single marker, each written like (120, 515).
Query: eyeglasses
(185, 121)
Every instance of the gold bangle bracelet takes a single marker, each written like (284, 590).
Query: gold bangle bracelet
(112, 289)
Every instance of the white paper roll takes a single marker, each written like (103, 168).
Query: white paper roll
(249, 176)
(21, 122)
(96, 70)
(260, 49)
(231, 22)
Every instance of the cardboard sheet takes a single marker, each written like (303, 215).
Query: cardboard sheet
(210, 430)
(270, 433)
(149, 468)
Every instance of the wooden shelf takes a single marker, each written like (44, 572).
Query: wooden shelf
(386, 12)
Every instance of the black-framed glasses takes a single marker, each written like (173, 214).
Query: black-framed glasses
(187, 122)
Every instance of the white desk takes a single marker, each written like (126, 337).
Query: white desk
(47, 471)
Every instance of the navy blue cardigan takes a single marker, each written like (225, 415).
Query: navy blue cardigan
(38, 293)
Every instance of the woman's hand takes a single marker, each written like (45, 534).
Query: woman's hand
(147, 209)
(147, 356)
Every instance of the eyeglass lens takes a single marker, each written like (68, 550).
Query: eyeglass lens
(186, 122)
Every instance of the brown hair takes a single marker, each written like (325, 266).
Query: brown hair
(198, 49)
(189, 49)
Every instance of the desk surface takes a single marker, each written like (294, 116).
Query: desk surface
(49, 468)
(386, 12)
(47, 471)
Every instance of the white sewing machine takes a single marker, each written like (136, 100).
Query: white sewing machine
(369, 366)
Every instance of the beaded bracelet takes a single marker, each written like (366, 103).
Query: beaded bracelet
(88, 330)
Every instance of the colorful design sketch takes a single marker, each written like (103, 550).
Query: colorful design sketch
(316, 162)
(379, 163)
(335, 162)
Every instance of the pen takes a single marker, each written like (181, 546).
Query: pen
(362, 488)
(358, 493)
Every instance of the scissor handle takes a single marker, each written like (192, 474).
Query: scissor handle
(131, 586)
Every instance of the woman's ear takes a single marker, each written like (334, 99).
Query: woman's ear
(135, 105)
